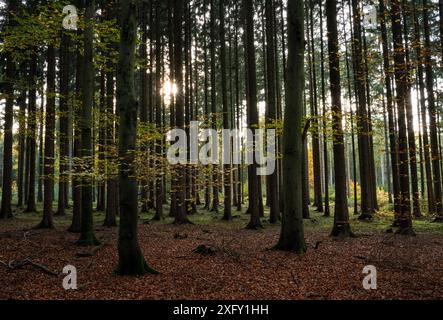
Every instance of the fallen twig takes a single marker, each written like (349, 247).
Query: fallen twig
(14, 265)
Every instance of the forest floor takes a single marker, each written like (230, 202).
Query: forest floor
(239, 265)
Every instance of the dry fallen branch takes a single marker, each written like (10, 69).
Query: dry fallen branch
(14, 265)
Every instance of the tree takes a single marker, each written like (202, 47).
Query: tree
(390, 105)
(6, 209)
(271, 104)
(292, 231)
(87, 236)
(64, 123)
(214, 118)
(158, 111)
(403, 219)
(363, 118)
(253, 121)
(178, 6)
(435, 155)
(342, 227)
(31, 136)
(227, 215)
(131, 261)
(48, 170)
(110, 143)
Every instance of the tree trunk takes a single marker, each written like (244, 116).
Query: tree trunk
(6, 209)
(403, 219)
(178, 7)
(48, 171)
(342, 227)
(253, 121)
(292, 232)
(435, 155)
(87, 236)
(64, 123)
(131, 261)
(271, 106)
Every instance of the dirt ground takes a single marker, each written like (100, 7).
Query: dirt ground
(241, 266)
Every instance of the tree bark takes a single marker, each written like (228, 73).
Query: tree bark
(292, 231)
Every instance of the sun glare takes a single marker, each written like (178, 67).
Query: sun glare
(169, 88)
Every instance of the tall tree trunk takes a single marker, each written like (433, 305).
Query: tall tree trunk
(131, 261)
(271, 106)
(178, 7)
(6, 209)
(64, 123)
(76, 177)
(21, 137)
(87, 236)
(158, 114)
(253, 121)
(227, 213)
(363, 119)
(390, 108)
(423, 112)
(410, 121)
(325, 117)
(31, 136)
(292, 230)
(48, 171)
(435, 155)
(403, 219)
(342, 227)
(111, 183)
(214, 118)
(318, 201)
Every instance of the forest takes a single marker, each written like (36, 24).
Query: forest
(221, 150)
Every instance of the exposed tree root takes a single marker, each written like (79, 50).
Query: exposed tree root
(342, 230)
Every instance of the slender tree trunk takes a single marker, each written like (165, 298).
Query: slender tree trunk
(76, 179)
(410, 122)
(87, 236)
(178, 7)
(158, 114)
(214, 118)
(253, 121)
(48, 171)
(327, 212)
(423, 112)
(342, 227)
(227, 212)
(435, 155)
(6, 208)
(271, 106)
(64, 123)
(363, 119)
(292, 231)
(318, 201)
(403, 219)
(21, 138)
